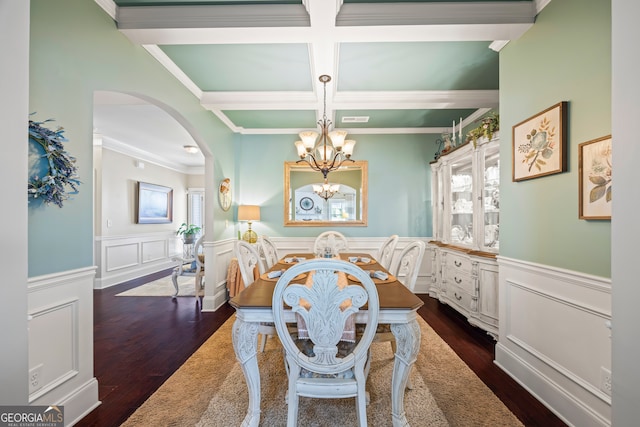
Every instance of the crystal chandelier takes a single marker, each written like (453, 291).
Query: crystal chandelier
(326, 190)
(331, 149)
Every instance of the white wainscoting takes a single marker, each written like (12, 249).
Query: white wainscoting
(555, 338)
(60, 309)
(215, 271)
(122, 258)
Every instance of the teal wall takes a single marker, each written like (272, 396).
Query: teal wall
(74, 50)
(399, 183)
(565, 56)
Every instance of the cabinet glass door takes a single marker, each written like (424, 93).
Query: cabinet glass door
(491, 199)
(462, 202)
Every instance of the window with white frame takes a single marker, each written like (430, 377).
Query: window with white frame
(195, 208)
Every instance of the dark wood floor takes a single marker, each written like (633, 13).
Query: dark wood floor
(140, 341)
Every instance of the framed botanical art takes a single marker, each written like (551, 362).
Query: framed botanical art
(594, 176)
(540, 144)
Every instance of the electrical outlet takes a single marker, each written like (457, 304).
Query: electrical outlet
(605, 380)
(35, 378)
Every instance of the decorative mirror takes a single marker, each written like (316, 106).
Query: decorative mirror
(303, 206)
(224, 194)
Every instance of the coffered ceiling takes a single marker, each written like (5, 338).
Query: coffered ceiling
(396, 67)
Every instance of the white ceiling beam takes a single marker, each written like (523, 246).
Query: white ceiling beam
(416, 99)
(409, 33)
(259, 100)
(351, 100)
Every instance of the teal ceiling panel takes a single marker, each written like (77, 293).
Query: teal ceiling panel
(273, 119)
(403, 118)
(250, 67)
(417, 66)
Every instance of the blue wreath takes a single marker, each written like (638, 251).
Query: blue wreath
(61, 174)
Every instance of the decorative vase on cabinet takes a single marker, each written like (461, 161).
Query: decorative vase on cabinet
(466, 219)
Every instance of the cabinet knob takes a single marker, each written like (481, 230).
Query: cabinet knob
(457, 263)
(458, 297)
(458, 281)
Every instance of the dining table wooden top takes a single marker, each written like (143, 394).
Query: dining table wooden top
(391, 292)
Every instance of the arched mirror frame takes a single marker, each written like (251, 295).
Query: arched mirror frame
(293, 166)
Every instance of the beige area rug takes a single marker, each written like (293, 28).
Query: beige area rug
(210, 390)
(163, 288)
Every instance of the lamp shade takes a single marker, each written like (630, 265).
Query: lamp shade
(248, 213)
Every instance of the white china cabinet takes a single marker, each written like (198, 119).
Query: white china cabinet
(466, 212)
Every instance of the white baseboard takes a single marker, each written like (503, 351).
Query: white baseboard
(81, 402)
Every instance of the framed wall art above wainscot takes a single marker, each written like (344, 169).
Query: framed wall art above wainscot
(540, 144)
(154, 204)
(594, 179)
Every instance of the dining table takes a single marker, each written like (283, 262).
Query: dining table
(398, 307)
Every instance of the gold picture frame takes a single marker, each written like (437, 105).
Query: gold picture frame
(594, 178)
(540, 144)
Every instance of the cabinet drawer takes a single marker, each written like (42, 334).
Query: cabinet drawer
(458, 263)
(461, 298)
(455, 278)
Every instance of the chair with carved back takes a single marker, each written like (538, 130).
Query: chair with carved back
(248, 260)
(386, 251)
(331, 239)
(323, 364)
(269, 251)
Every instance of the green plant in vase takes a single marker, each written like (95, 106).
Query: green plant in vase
(188, 232)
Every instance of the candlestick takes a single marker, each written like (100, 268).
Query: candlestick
(453, 131)
(460, 129)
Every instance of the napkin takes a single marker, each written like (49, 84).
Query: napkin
(363, 259)
(380, 275)
(274, 274)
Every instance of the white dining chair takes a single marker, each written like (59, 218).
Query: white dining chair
(332, 239)
(407, 266)
(248, 259)
(322, 365)
(192, 266)
(386, 251)
(269, 251)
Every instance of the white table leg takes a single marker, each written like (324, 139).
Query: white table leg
(245, 345)
(408, 344)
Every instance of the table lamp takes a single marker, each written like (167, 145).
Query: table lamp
(249, 213)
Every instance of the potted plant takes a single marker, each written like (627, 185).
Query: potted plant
(488, 126)
(188, 232)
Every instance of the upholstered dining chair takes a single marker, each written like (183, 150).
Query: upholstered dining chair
(269, 251)
(332, 239)
(406, 269)
(248, 259)
(322, 365)
(386, 251)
